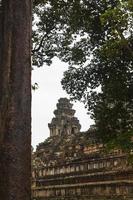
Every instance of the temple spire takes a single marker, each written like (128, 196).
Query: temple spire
(64, 121)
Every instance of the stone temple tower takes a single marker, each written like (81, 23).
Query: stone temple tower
(64, 121)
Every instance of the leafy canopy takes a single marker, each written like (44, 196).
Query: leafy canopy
(96, 38)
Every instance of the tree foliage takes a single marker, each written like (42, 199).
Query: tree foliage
(96, 39)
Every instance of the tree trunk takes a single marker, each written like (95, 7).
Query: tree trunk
(15, 100)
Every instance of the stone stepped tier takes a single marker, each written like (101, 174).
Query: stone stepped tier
(73, 165)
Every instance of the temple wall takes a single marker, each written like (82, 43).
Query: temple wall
(97, 164)
(100, 178)
(70, 165)
(108, 191)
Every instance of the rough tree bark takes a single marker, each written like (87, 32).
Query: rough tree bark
(15, 100)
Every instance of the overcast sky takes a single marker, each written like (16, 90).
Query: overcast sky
(44, 100)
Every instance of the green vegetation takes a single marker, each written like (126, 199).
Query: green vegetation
(96, 39)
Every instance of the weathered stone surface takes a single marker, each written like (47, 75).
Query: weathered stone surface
(72, 165)
(64, 121)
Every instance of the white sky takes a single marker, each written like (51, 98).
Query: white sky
(45, 98)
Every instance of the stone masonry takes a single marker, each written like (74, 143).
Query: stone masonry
(72, 165)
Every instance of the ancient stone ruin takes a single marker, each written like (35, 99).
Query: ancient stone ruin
(72, 165)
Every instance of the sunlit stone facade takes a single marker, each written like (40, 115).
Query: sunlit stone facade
(72, 165)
